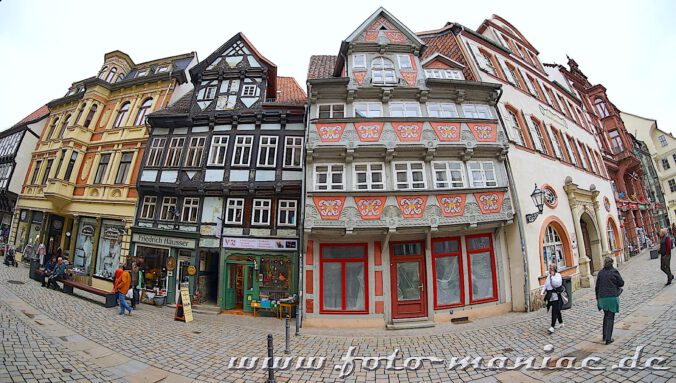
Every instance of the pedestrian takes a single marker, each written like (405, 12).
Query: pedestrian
(552, 291)
(136, 281)
(58, 274)
(608, 289)
(665, 255)
(120, 289)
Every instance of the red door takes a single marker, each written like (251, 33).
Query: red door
(407, 277)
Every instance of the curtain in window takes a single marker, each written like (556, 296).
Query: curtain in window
(482, 275)
(448, 280)
(354, 286)
(333, 285)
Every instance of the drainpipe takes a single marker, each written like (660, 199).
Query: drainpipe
(301, 237)
(519, 221)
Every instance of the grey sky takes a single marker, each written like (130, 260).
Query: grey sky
(629, 46)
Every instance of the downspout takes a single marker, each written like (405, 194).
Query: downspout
(301, 239)
(519, 221)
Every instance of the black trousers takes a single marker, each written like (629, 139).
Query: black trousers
(556, 312)
(135, 299)
(51, 282)
(666, 266)
(608, 323)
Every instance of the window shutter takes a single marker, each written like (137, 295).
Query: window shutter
(533, 133)
(529, 84)
(502, 41)
(544, 90)
(507, 121)
(555, 143)
(480, 59)
(506, 71)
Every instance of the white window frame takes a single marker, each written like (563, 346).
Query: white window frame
(238, 159)
(484, 182)
(288, 206)
(663, 140)
(208, 95)
(174, 152)
(293, 144)
(167, 204)
(448, 172)
(408, 109)
(191, 205)
(475, 111)
(149, 205)
(517, 130)
(354, 61)
(267, 151)
(566, 142)
(383, 67)
(407, 60)
(193, 158)
(219, 144)
(143, 72)
(261, 206)
(442, 110)
(369, 172)
(331, 111)
(249, 90)
(370, 108)
(550, 241)
(410, 184)
(331, 169)
(233, 205)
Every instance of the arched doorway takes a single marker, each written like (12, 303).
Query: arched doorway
(592, 242)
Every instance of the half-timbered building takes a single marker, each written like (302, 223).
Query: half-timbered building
(220, 184)
(407, 192)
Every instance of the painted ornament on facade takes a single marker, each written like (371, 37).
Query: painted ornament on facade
(330, 132)
(606, 203)
(395, 37)
(447, 131)
(370, 207)
(452, 205)
(329, 208)
(490, 202)
(369, 131)
(412, 206)
(483, 132)
(408, 131)
(359, 77)
(371, 36)
(410, 77)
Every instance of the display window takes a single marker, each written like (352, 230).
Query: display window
(344, 278)
(110, 241)
(481, 268)
(153, 262)
(275, 277)
(449, 288)
(84, 244)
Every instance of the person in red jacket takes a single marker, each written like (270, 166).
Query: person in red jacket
(665, 255)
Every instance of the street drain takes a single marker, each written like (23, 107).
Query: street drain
(67, 370)
(197, 332)
(15, 282)
(507, 350)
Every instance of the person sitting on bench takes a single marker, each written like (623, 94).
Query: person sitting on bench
(47, 271)
(58, 274)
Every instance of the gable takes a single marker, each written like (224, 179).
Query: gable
(383, 28)
(237, 56)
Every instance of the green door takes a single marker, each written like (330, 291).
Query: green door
(230, 286)
(241, 286)
(248, 290)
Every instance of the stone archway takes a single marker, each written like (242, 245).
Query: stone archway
(592, 242)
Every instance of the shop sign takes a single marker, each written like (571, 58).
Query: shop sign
(408, 131)
(490, 202)
(412, 206)
(192, 270)
(447, 131)
(164, 241)
(260, 243)
(483, 132)
(370, 207)
(330, 132)
(329, 207)
(369, 131)
(452, 205)
(87, 230)
(112, 233)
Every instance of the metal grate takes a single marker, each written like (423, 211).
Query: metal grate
(15, 282)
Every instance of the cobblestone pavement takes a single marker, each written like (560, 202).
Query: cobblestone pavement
(148, 346)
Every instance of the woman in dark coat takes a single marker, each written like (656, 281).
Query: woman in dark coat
(608, 289)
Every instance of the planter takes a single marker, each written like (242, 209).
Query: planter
(160, 300)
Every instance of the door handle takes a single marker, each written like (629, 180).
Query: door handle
(421, 287)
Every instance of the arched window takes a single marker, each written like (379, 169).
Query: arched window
(120, 77)
(90, 115)
(382, 71)
(552, 249)
(51, 128)
(121, 115)
(143, 110)
(64, 125)
(103, 72)
(601, 107)
(79, 113)
(111, 74)
(612, 236)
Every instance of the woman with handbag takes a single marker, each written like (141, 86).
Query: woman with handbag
(608, 289)
(553, 291)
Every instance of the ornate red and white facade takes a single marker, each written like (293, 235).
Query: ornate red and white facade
(407, 190)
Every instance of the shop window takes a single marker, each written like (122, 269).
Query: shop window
(293, 151)
(369, 176)
(261, 212)
(287, 213)
(110, 242)
(190, 210)
(476, 111)
(409, 175)
(404, 109)
(448, 273)
(267, 151)
(329, 177)
(448, 174)
(552, 249)
(219, 147)
(275, 277)
(442, 109)
(481, 268)
(155, 152)
(481, 174)
(331, 111)
(174, 152)
(343, 279)
(84, 244)
(234, 211)
(148, 207)
(612, 236)
(152, 261)
(242, 153)
(168, 211)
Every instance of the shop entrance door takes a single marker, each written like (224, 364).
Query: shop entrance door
(54, 234)
(407, 278)
(181, 272)
(239, 285)
(587, 245)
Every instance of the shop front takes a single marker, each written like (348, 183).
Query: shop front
(258, 271)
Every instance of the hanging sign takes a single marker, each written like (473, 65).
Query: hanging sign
(260, 243)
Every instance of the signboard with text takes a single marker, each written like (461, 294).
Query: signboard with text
(260, 243)
(164, 241)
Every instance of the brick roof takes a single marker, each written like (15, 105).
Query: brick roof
(289, 92)
(182, 105)
(36, 115)
(321, 66)
(446, 44)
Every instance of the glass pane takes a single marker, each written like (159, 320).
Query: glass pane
(448, 279)
(477, 243)
(403, 249)
(332, 278)
(354, 286)
(446, 247)
(482, 275)
(337, 252)
(408, 281)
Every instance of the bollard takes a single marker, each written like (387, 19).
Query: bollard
(271, 371)
(288, 331)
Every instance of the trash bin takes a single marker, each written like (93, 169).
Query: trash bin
(35, 264)
(654, 253)
(568, 285)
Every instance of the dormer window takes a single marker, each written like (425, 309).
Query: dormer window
(111, 74)
(382, 71)
(359, 61)
(601, 107)
(209, 93)
(143, 72)
(452, 74)
(249, 91)
(163, 69)
(103, 72)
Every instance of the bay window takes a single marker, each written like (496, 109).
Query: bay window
(448, 174)
(329, 177)
(476, 111)
(382, 71)
(368, 109)
(442, 109)
(369, 176)
(409, 175)
(481, 174)
(404, 109)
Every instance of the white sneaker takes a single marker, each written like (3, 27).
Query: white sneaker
(551, 330)
(558, 325)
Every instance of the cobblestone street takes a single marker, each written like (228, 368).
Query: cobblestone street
(48, 336)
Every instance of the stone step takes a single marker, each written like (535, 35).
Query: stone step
(408, 325)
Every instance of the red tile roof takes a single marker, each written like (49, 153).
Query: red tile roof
(36, 115)
(321, 66)
(289, 92)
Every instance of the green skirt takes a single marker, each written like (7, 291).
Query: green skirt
(609, 304)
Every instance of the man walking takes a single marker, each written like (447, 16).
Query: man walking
(121, 287)
(665, 255)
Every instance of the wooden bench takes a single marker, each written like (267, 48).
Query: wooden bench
(68, 287)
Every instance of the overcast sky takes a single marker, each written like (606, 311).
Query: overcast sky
(628, 46)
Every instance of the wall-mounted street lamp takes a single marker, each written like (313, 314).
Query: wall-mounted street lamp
(538, 199)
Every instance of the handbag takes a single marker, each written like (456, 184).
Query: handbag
(564, 297)
(130, 294)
